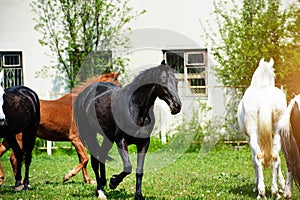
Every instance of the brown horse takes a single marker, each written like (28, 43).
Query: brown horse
(289, 129)
(57, 125)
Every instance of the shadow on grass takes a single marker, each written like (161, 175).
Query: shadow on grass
(245, 190)
(110, 194)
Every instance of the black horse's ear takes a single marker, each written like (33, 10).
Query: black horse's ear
(163, 62)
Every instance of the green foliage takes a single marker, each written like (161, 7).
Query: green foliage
(199, 131)
(231, 127)
(73, 30)
(250, 31)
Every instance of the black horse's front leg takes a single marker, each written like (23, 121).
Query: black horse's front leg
(142, 150)
(115, 180)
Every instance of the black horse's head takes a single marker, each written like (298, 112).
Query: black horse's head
(167, 88)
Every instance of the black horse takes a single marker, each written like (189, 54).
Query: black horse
(21, 110)
(124, 116)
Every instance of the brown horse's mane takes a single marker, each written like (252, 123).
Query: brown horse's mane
(95, 79)
(79, 88)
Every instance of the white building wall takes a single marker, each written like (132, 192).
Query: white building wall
(17, 33)
(167, 24)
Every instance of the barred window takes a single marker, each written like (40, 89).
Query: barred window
(190, 67)
(11, 63)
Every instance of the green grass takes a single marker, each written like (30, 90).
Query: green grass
(221, 174)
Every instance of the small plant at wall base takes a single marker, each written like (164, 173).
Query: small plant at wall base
(201, 129)
(231, 127)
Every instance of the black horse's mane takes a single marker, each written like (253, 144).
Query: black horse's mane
(151, 75)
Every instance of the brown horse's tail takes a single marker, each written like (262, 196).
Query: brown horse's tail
(265, 134)
(288, 142)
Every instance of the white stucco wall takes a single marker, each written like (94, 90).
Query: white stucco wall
(17, 33)
(166, 24)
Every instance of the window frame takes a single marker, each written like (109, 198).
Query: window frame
(8, 65)
(13, 73)
(186, 76)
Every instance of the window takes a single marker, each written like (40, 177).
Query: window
(11, 63)
(195, 58)
(190, 67)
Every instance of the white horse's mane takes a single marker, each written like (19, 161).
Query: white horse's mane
(264, 74)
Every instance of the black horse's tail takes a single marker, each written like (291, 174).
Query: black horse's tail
(29, 134)
(85, 118)
(30, 94)
(82, 118)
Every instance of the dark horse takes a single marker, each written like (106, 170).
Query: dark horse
(22, 114)
(289, 129)
(124, 116)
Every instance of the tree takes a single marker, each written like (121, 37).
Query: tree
(76, 29)
(249, 31)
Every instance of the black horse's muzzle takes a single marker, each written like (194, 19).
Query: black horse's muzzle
(176, 107)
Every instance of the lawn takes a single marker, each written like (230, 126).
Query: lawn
(221, 174)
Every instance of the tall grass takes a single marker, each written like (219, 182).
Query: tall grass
(222, 174)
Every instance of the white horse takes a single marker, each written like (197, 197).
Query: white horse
(258, 113)
(289, 130)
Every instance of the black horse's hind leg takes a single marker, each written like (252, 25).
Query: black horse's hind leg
(142, 149)
(127, 167)
(28, 145)
(101, 180)
(19, 156)
(95, 167)
(100, 184)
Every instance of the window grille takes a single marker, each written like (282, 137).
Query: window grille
(11, 63)
(190, 67)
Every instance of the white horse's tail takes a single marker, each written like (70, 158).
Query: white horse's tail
(289, 144)
(265, 133)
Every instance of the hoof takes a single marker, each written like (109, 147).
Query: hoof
(261, 197)
(113, 183)
(18, 186)
(66, 178)
(139, 197)
(26, 185)
(100, 195)
(90, 181)
(288, 195)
